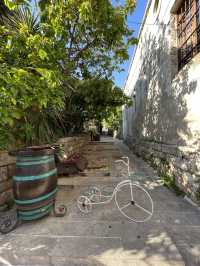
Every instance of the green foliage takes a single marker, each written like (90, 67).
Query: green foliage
(12, 4)
(94, 33)
(95, 99)
(29, 80)
(114, 121)
(167, 177)
(46, 59)
(170, 183)
(156, 4)
(22, 19)
(3, 11)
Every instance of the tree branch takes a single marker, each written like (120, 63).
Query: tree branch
(72, 33)
(80, 52)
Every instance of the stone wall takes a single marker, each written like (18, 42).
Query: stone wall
(180, 163)
(7, 169)
(7, 164)
(73, 144)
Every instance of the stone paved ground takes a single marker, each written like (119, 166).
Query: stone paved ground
(104, 236)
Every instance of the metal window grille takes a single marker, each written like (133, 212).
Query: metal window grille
(188, 31)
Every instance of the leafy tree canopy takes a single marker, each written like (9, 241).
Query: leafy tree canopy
(41, 55)
(96, 99)
(114, 120)
(94, 33)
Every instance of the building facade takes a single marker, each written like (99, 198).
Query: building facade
(163, 125)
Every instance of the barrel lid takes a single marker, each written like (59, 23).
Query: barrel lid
(34, 151)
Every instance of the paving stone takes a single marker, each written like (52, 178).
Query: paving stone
(186, 238)
(105, 236)
(44, 251)
(155, 245)
(64, 246)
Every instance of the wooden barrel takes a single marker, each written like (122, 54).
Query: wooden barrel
(35, 182)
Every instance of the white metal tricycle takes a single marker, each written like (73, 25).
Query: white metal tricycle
(131, 199)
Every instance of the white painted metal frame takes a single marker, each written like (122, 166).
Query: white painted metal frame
(95, 197)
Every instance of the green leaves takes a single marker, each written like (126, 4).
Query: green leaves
(42, 54)
(156, 4)
(30, 77)
(85, 10)
(10, 4)
(97, 99)
(90, 31)
(45, 59)
(130, 5)
(16, 114)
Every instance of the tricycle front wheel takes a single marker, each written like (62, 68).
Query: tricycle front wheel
(134, 202)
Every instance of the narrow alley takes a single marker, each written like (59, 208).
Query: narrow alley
(104, 236)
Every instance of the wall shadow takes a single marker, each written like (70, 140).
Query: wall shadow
(161, 106)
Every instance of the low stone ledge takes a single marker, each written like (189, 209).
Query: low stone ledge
(182, 163)
(5, 159)
(3, 173)
(7, 170)
(169, 149)
(6, 185)
(73, 144)
(6, 196)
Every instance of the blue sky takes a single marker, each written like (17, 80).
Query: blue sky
(135, 17)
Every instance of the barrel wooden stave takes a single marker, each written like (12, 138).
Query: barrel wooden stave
(34, 189)
(35, 183)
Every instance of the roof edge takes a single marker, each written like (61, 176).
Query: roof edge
(139, 34)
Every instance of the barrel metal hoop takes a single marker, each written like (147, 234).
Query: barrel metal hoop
(33, 217)
(37, 199)
(40, 210)
(33, 158)
(29, 163)
(35, 177)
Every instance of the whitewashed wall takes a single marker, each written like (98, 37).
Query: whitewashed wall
(164, 121)
(167, 105)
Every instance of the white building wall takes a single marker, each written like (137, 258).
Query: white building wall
(166, 104)
(163, 125)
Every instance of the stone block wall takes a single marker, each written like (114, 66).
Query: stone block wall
(181, 163)
(7, 169)
(74, 144)
(7, 164)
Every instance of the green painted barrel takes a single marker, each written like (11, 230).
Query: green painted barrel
(35, 182)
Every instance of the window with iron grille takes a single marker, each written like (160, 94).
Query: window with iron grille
(188, 26)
